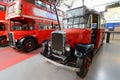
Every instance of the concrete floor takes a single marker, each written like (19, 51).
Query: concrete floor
(105, 66)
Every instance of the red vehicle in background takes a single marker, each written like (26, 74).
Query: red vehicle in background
(31, 23)
(74, 47)
(3, 31)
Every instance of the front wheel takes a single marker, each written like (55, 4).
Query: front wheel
(84, 67)
(3, 42)
(29, 45)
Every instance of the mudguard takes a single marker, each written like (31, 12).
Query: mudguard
(83, 50)
(3, 36)
(25, 38)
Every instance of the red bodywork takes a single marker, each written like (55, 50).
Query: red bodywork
(3, 12)
(83, 36)
(3, 32)
(100, 38)
(39, 35)
(2, 16)
(21, 10)
(77, 36)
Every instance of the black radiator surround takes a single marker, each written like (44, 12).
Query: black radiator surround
(11, 38)
(69, 56)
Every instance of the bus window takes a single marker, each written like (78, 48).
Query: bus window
(1, 27)
(51, 26)
(32, 26)
(48, 7)
(64, 23)
(41, 26)
(3, 8)
(76, 20)
(38, 3)
(10, 1)
(102, 22)
(46, 27)
(70, 23)
(94, 25)
(57, 27)
(31, 1)
(17, 26)
(83, 20)
(24, 26)
(89, 22)
(41, 4)
(7, 27)
(95, 22)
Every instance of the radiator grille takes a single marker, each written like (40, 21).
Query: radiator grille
(11, 39)
(58, 41)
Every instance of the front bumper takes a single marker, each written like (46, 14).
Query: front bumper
(62, 66)
(16, 45)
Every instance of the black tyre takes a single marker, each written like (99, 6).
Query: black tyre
(84, 67)
(3, 42)
(29, 45)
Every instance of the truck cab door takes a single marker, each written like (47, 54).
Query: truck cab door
(97, 31)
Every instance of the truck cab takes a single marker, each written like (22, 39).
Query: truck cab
(75, 45)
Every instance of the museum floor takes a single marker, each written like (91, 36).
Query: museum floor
(15, 65)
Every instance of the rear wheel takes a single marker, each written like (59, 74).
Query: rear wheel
(84, 67)
(3, 42)
(29, 45)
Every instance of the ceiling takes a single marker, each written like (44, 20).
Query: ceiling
(95, 4)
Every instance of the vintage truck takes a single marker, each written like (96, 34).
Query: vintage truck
(74, 46)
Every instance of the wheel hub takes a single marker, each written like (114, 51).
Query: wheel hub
(4, 42)
(87, 63)
(29, 45)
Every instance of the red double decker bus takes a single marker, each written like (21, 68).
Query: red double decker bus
(30, 23)
(3, 31)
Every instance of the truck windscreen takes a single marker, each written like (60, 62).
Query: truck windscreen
(76, 12)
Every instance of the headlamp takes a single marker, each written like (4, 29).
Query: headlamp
(49, 44)
(67, 48)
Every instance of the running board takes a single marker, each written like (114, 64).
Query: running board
(63, 66)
